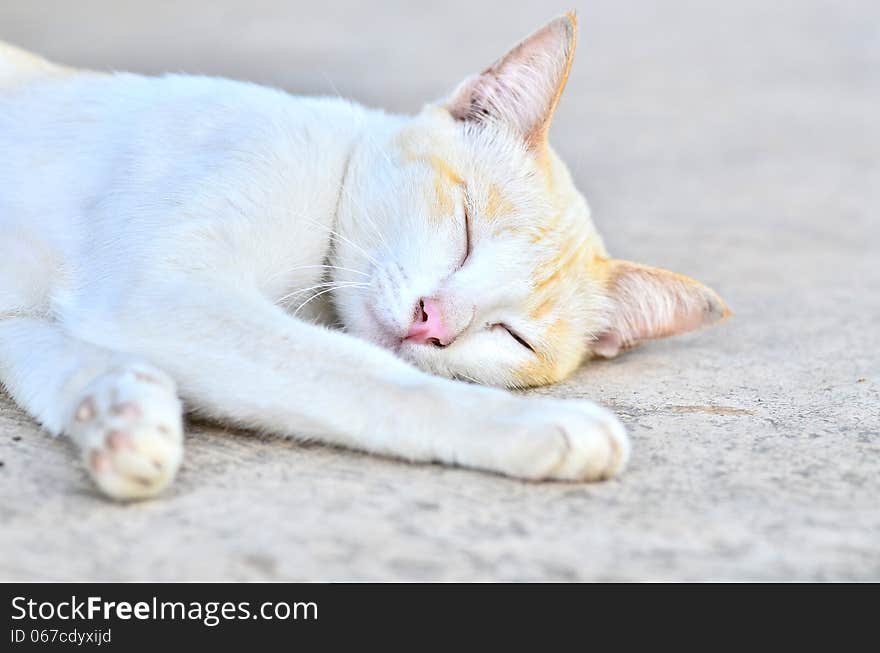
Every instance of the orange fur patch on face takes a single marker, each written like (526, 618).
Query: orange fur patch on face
(599, 268)
(444, 170)
(570, 257)
(543, 307)
(497, 204)
(561, 349)
(567, 352)
(558, 277)
(562, 275)
(445, 177)
(445, 203)
(539, 232)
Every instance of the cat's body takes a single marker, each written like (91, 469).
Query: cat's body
(216, 191)
(181, 234)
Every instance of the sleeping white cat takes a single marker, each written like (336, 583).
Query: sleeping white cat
(176, 238)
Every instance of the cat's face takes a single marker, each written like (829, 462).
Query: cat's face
(469, 251)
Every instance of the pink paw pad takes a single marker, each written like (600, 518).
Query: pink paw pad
(119, 440)
(100, 462)
(129, 428)
(86, 410)
(129, 410)
(146, 378)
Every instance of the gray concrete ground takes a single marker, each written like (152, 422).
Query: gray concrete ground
(738, 142)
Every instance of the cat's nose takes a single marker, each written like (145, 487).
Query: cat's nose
(428, 326)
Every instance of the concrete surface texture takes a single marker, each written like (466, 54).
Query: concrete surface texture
(737, 142)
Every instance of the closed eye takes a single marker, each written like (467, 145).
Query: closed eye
(467, 230)
(515, 336)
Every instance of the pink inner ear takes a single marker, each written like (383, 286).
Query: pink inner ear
(654, 303)
(521, 89)
(607, 345)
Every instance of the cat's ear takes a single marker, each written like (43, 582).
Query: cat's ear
(522, 88)
(650, 303)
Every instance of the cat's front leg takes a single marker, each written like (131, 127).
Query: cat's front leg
(241, 359)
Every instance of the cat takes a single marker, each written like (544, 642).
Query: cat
(173, 241)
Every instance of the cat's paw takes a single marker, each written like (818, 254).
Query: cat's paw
(128, 424)
(568, 441)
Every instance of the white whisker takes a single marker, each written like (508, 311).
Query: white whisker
(299, 308)
(336, 234)
(319, 265)
(467, 377)
(330, 285)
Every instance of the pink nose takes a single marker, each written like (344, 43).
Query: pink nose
(428, 327)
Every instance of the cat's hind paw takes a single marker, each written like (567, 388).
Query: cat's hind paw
(128, 424)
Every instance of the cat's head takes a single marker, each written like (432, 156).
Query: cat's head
(469, 251)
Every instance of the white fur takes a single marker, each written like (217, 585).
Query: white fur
(175, 224)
